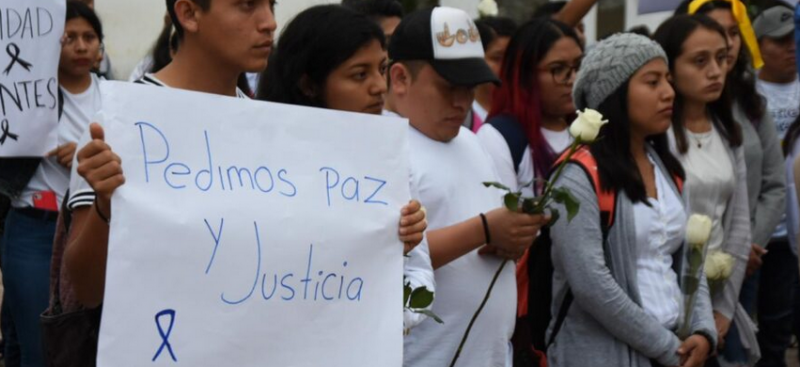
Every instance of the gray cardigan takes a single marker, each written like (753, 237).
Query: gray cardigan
(606, 324)
(766, 178)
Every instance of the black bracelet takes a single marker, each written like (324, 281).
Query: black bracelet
(486, 229)
(99, 214)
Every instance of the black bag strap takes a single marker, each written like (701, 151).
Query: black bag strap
(512, 132)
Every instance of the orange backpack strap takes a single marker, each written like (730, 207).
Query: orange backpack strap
(606, 200)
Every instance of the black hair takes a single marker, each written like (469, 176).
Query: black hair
(549, 9)
(502, 26)
(165, 45)
(671, 35)
(641, 30)
(375, 9)
(491, 28)
(77, 9)
(312, 45)
(487, 34)
(519, 94)
(741, 81)
(203, 4)
(612, 150)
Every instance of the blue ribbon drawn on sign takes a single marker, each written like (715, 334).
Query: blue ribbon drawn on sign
(165, 335)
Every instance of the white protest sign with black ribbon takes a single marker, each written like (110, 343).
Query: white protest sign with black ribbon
(30, 48)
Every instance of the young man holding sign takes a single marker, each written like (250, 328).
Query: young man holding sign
(220, 39)
(438, 61)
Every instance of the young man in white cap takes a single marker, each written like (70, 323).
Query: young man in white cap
(438, 60)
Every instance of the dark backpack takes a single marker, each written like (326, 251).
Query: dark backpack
(535, 270)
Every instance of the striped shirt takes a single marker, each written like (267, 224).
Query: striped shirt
(81, 193)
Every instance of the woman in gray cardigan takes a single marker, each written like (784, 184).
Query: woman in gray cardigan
(625, 288)
(708, 142)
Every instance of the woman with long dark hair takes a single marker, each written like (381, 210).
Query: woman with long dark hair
(618, 286)
(332, 57)
(533, 102)
(762, 153)
(708, 142)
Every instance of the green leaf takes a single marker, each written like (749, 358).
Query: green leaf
(430, 314)
(511, 201)
(497, 185)
(529, 205)
(420, 298)
(562, 195)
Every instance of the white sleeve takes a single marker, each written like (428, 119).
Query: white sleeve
(497, 148)
(418, 271)
(142, 68)
(80, 193)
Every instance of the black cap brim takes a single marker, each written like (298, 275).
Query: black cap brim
(465, 72)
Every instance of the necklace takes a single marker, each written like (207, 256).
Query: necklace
(700, 139)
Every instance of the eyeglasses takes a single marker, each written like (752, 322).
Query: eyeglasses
(561, 73)
(69, 39)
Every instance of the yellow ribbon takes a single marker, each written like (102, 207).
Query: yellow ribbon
(745, 28)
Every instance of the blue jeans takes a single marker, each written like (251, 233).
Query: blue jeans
(27, 248)
(776, 304)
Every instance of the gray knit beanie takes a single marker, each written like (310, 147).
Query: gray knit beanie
(610, 64)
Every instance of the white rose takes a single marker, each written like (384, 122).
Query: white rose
(698, 230)
(487, 8)
(719, 266)
(586, 127)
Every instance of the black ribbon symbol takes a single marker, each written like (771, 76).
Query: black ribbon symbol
(6, 134)
(13, 50)
(165, 336)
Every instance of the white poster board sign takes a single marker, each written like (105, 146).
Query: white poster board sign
(252, 234)
(30, 47)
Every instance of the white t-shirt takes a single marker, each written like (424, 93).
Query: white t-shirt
(559, 140)
(660, 231)
(141, 69)
(449, 180)
(783, 102)
(516, 178)
(500, 153)
(709, 179)
(78, 111)
(479, 111)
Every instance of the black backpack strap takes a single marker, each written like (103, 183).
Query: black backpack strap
(514, 135)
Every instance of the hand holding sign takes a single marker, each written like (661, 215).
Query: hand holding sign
(100, 166)
(412, 225)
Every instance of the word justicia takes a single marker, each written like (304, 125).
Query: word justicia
(313, 284)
